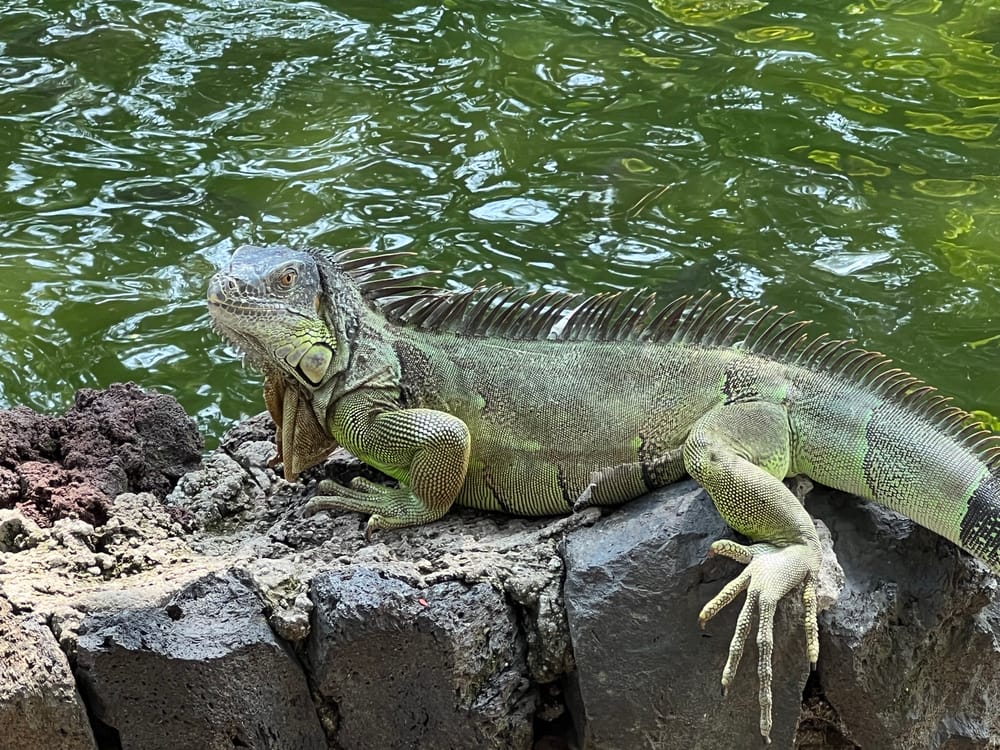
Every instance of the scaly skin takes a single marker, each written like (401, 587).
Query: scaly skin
(547, 423)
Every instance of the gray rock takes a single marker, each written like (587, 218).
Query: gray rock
(405, 667)
(202, 672)
(18, 532)
(646, 675)
(910, 654)
(219, 491)
(39, 704)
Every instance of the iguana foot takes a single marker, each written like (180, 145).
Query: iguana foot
(772, 573)
(390, 507)
(613, 485)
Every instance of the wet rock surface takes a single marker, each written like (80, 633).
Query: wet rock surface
(218, 614)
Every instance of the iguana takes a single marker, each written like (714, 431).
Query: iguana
(547, 403)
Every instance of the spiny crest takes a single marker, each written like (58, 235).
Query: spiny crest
(711, 320)
(499, 311)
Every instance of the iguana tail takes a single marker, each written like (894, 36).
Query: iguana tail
(917, 454)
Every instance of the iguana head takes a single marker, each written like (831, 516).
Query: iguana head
(271, 303)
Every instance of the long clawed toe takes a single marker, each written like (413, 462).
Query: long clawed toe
(771, 574)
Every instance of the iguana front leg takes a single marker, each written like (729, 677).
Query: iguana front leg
(426, 450)
(739, 453)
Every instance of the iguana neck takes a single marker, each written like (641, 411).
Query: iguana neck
(369, 363)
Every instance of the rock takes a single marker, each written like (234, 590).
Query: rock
(27, 436)
(133, 440)
(910, 653)
(17, 532)
(280, 583)
(202, 672)
(444, 664)
(461, 633)
(255, 429)
(219, 490)
(49, 488)
(112, 441)
(39, 704)
(646, 675)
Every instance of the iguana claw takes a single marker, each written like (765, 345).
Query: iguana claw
(772, 573)
(586, 497)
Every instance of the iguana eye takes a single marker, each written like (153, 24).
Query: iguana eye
(287, 278)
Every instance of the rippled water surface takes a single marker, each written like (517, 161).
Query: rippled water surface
(840, 159)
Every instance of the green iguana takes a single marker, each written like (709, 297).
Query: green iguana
(543, 404)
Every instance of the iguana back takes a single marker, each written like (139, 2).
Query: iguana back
(545, 415)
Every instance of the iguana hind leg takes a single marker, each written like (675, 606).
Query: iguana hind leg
(739, 453)
(616, 484)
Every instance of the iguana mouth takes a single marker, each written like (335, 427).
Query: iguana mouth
(232, 305)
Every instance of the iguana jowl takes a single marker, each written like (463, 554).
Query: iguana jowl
(543, 404)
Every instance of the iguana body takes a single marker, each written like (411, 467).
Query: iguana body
(539, 405)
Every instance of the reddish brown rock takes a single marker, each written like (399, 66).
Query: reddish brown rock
(49, 492)
(112, 441)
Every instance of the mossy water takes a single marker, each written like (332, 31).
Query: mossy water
(841, 161)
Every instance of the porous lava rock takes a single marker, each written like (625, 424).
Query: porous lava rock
(122, 439)
(39, 703)
(205, 666)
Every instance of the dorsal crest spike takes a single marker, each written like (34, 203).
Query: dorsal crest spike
(853, 360)
(884, 376)
(579, 319)
(534, 312)
(760, 344)
(432, 303)
(502, 319)
(663, 323)
(354, 262)
(740, 314)
(490, 298)
(763, 321)
(701, 316)
(845, 352)
(634, 307)
(870, 371)
(777, 345)
(715, 319)
(808, 354)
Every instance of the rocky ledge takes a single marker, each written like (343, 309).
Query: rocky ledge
(152, 597)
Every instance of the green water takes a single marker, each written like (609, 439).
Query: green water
(840, 159)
